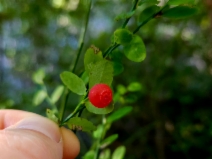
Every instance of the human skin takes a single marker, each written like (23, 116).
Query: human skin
(25, 135)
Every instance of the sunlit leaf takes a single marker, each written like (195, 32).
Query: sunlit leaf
(39, 97)
(77, 123)
(134, 87)
(56, 94)
(89, 155)
(92, 55)
(38, 76)
(73, 82)
(122, 36)
(101, 72)
(119, 153)
(119, 114)
(135, 50)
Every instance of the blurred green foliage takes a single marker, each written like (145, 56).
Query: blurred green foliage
(170, 91)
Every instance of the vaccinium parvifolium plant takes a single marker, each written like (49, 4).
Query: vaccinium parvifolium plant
(95, 84)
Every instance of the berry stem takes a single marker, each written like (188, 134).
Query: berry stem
(81, 44)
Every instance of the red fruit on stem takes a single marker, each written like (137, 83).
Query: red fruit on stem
(100, 95)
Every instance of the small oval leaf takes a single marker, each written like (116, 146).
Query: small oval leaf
(119, 153)
(56, 94)
(73, 82)
(134, 87)
(96, 110)
(109, 140)
(180, 12)
(92, 55)
(119, 114)
(122, 36)
(39, 97)
(135, 50)
(77, 123)
(101, 72)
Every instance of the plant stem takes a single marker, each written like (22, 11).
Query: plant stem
(99, 140)
(115, 45)
(133, 9)
(66, 91)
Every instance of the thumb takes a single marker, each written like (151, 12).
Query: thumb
(33, 137)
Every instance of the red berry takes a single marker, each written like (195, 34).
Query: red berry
(100, 95)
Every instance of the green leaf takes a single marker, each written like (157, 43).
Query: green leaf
(135, 50)
(119, 114)
(73, 82)
(101, 72)
(119, 153)
(39, 97)
(121, 89)
(118, 68)
(77, 123)
(96, 110)
(57, 93)
(51, 115)
(180, 12)
(124, 15)
(109, 140)
(122, 36)
(178, 2)
(148, 1)
(38, 76)
(89, 155)
(92, 56)
(85, 77)
(105, 154)
(134, 87)
(148, 12)
(98, 132)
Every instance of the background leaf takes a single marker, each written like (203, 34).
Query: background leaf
(80, 124)
(39, 97)
(38, 76)
(121, 112)
(135, 50)
(148, 12)
(101, 72)
(105, 154)
(73, 82)
(180, 12)
(96, 110)
(109, 140)
(119, 153)
(134, 87)
(57, 93)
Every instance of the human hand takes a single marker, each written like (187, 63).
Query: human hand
(25, 135)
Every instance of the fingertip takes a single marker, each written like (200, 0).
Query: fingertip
(71, 144)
